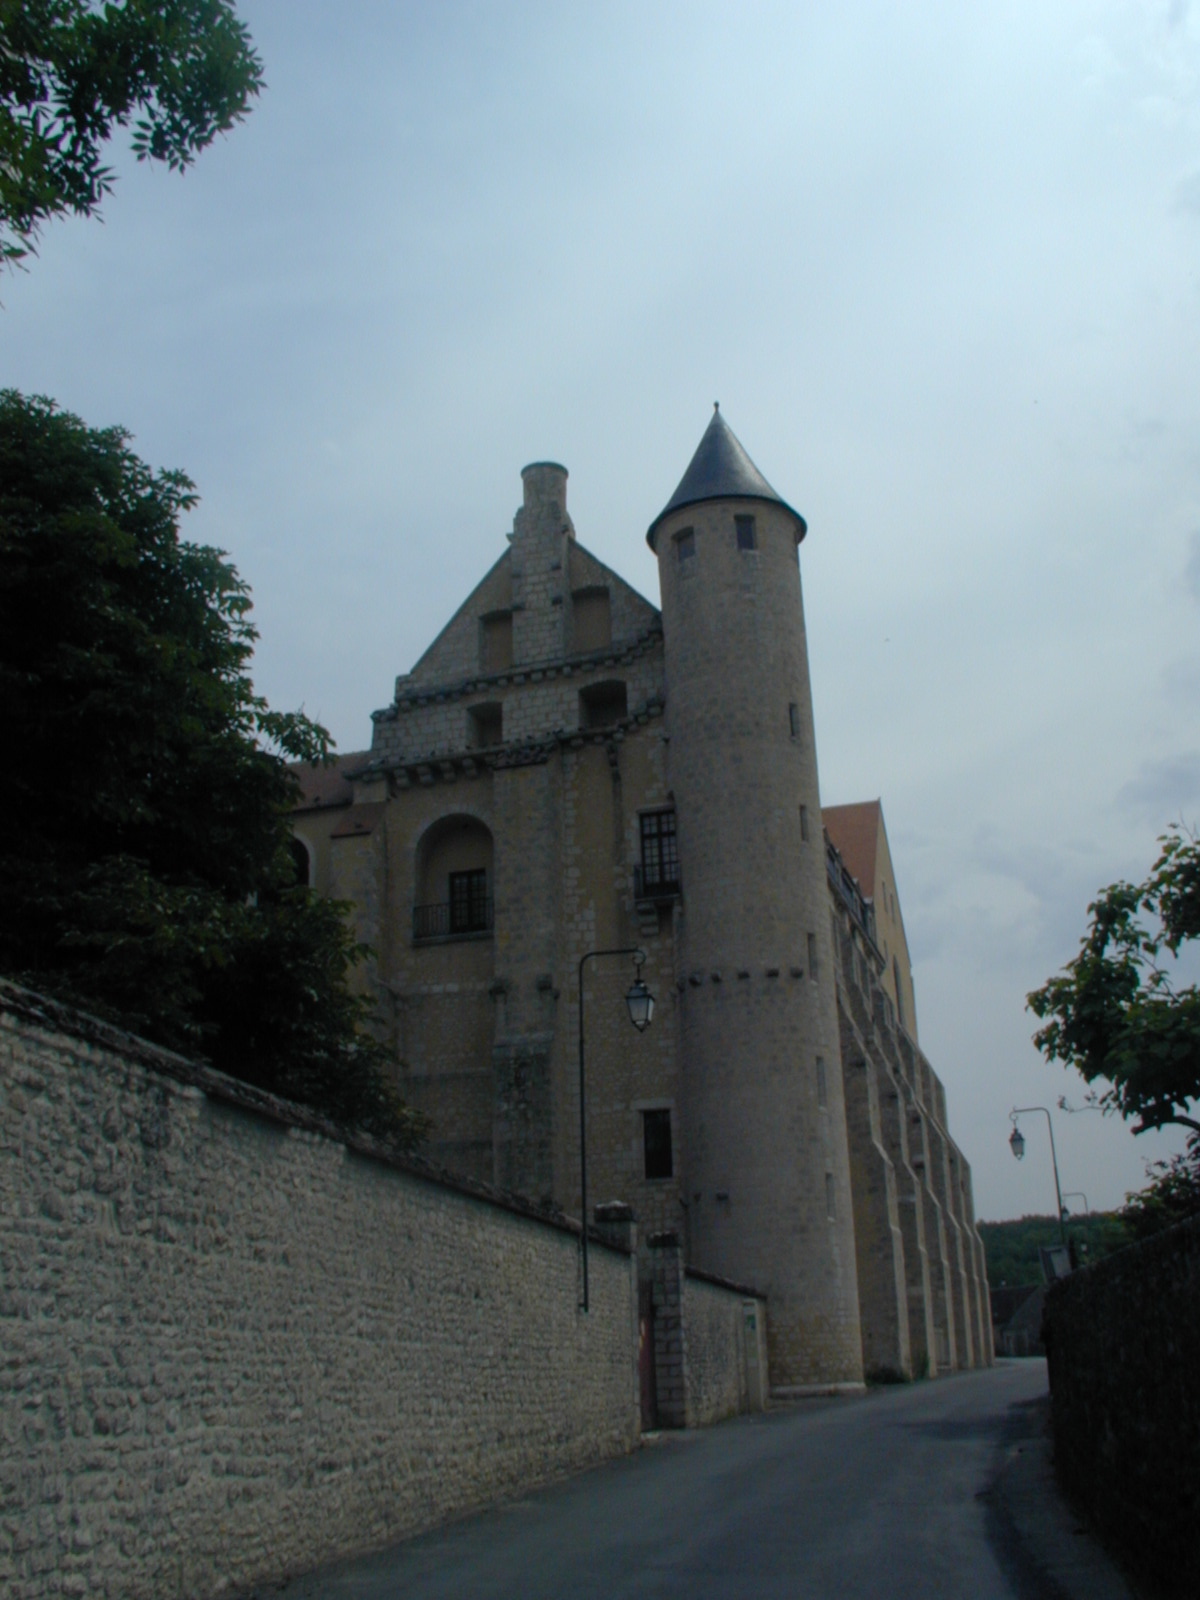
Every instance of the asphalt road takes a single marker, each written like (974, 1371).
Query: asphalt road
(891, 1494)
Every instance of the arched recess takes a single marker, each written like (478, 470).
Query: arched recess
(453, 880)
(302, 862)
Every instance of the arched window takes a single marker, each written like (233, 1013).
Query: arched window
(302, 862)
(454, 880)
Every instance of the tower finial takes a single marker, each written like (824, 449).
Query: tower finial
(716, 405)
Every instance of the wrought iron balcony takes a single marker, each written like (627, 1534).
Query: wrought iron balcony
(452, 920)
(647, 886)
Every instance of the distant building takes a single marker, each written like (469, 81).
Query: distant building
(569, 769)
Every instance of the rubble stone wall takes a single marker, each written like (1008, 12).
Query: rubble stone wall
(236, 1346)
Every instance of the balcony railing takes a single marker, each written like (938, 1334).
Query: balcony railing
(451, 921)
(656, 887)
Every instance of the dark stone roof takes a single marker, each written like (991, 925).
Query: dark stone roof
(721, 470)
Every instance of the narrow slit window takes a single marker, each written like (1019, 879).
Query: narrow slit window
(794, 719)
(812, 956)
(745, 532)
(804, 824)
(830, 1197)
(822, 1086)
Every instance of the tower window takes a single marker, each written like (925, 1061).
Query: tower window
(804, 823)
(660, 851)
(830, 1197)
(794, 719)
(745, 532)
(812, 956)
(822, 1086)
(656, 1143)
(685, 545)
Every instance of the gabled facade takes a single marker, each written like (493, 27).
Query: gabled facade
(568, 769)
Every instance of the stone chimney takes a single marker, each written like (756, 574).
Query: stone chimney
(541, 529)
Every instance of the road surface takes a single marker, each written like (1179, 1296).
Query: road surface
(893, 1494)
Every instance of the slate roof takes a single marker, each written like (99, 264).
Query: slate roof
(721, 470)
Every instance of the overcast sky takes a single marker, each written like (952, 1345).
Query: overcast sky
(940, 265)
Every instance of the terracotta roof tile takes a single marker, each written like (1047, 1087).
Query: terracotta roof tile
(324, 787)
(854, 833)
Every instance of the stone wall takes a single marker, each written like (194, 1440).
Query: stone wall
(710, 1353)
(235, 1346)
(1123, 1342)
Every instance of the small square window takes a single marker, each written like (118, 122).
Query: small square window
(822, 1086)
(685, 545)
(804, 823)
(745, 532)
(656, 1143)
(812, 956)
(794, 719)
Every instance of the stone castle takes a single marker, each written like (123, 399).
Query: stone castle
(568, 770)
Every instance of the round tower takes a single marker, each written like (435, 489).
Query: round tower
(766, 1165)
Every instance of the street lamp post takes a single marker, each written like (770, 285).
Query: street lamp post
(1078, 1194)
(640, 1003)
(1017, 1141)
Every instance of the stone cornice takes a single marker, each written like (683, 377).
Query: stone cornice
(450, 765)
(529, 672)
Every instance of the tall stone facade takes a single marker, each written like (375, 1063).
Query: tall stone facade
(566, 770)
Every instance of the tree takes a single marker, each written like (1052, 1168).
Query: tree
(145, 869)
(1117, 1013)
(71, 72)
(1172, 1194)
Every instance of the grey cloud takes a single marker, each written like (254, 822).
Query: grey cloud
(1164, 790)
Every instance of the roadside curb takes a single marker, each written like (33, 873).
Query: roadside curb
(1048, 1550)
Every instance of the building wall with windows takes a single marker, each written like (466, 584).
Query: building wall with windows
(567, 769)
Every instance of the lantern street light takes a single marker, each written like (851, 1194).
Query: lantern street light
(1017, 1141)
(640, 1004)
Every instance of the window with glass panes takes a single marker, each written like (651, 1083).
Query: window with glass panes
(468, 901)
(660, 851)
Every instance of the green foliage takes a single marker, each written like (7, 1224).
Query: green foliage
(1115, 1013)
(1172, 1194)
(1012, 1247)
(144, 804)
(72, 71)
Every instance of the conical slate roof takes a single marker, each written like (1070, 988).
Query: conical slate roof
(721, 470)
